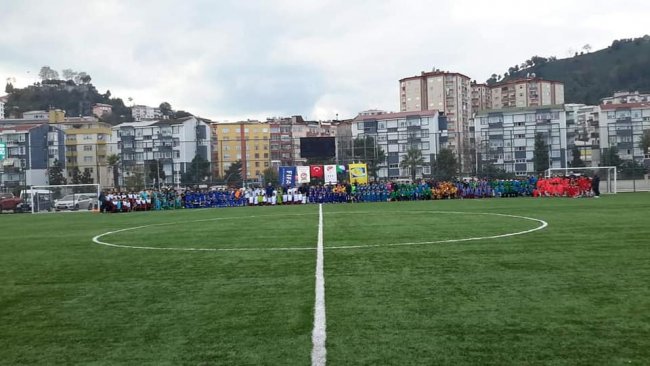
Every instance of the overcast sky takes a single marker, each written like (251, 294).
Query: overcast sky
(231, 60)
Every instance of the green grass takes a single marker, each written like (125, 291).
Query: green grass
(575, 293)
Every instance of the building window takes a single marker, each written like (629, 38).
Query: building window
(88, 147)
(88, 159)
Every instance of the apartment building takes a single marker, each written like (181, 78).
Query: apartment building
(624, 97)
(528, 92)
(27, 152)
(447, 92)
(101, 109)
(481, 97)
(622, 125)
(145, 113)
(282, 142)
(506, 137)
(248, 141)
(583, 132)
(169, 144)
(395, 134)
(2, 109)
(86, 147)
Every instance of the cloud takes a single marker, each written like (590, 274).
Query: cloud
(256, 59)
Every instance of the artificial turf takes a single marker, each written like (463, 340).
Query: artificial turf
(574, 293)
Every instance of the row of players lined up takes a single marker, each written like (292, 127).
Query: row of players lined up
(344, 193)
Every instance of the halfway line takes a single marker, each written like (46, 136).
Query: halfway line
(318, 335)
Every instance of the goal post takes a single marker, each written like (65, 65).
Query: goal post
(59, 198)
(607, 174)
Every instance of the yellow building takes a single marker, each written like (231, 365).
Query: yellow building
(247, 141)
(86, 147)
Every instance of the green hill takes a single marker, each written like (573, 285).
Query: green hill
(588, 77)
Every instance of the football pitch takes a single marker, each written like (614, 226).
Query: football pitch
(516, 281)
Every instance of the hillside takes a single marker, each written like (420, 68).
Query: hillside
(588, 77)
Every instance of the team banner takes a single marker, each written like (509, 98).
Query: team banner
(288, 176)
(330, 174)
(316, 171)
(358, 173)
(302, 172)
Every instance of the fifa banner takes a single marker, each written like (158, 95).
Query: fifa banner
(358, 173)
(330, 174)
(302, 172)
(288, 176)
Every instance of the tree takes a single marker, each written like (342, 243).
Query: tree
(68, 74)
(271, 175)
(47, 73)
(233, 175)
(610, 157)
(587, 48)
(632, 170)
(82, 77)
(76, 176)
(9, 88)
(86, 178)
(412, 161)
(540, 154)
(55, 174)
(156, 173)
(445, 165)
(491, 171)
(644, 144)
(576, 161)
(113, 160)
(367, 151)
(166, 110)
(197, 171)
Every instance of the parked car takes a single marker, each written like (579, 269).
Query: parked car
(41, 198)
(75, 202)
(9, 202)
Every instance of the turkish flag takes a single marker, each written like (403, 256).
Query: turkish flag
(316, 171)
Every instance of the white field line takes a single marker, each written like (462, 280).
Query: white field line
(319, 335)
(543, 224)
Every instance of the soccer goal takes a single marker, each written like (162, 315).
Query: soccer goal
(69, 197)
(607, 174)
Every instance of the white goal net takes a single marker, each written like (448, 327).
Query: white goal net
(607, 174)
(61, 198)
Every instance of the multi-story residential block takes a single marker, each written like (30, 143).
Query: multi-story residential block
(395, 134)
(481, 97)
(30, 149)
(86, 148)
(583, 132)
(529, 92)
(246, 141)
(282, 142)
(36, 115)
(100, 109)
(145, 113)
(170, 145)
(506, 137)
(624, 97)
(2, 109)
(446, 92)
(623, 121)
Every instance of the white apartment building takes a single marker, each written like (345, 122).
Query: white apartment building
(446, 92)
(622, 125)
(2, 110)
(506, 137)
(624, 97)
(170, 144)
(583, 132)
(396, 133)
(145, 113)
(529, 92)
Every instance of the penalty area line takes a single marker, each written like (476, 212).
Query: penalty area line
(319, 335)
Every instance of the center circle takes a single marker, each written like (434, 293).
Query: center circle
(362, 232)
